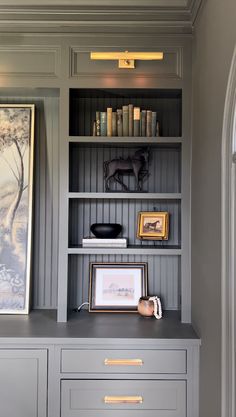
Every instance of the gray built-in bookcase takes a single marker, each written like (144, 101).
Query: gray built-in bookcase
(164, 190)
(56, 74)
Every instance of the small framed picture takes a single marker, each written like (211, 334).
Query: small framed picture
(117, 287)
(153, 225)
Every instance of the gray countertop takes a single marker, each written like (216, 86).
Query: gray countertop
(84, 325)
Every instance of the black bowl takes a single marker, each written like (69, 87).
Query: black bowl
(106, 230)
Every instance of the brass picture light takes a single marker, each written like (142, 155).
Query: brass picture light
(127, 59)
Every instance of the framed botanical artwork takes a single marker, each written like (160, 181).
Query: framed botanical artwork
(16, 188)
(153, 225)
(117, 287)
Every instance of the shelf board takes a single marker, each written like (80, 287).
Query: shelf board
(40, 326)
(130, 250)
(111, 140)
(126, 196)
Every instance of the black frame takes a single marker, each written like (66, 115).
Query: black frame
(126, 265)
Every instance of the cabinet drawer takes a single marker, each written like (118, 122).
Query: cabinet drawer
(123, 361)
(123, 398)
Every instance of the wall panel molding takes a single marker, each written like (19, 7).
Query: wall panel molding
(82, 66)
(38, 61)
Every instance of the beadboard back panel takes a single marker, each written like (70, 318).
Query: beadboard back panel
(84, 212)
(163, 277)
(86, 168)
(45, 217)
(85, 102)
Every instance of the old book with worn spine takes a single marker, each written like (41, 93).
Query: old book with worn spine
(114, 123)
(119, 122)
(136, 121)
(98, 129)
(103, 123)
(131, 119)
(149, 124)
(143, 122)
(125, 110)
(109, 121)
(154, 123)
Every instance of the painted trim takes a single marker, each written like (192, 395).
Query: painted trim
(99, 3)
(228, 201)
(76, 55)
(194, 7)
(60, 13)
(167, 25)
(31, 53)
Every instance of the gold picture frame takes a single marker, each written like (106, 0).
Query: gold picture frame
(153, 225)
(16, 205)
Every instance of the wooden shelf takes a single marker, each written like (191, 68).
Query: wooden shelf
(130, 250)
(126, 196)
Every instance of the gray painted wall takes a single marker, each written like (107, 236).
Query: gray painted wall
(46, 183)
(213, 44)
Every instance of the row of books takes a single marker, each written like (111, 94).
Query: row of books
(128, 121)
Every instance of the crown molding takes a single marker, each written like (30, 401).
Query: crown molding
(194, 7)
(91, 27)
(64, 15)
(91, 3)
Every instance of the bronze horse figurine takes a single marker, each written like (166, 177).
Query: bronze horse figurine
(132, 165)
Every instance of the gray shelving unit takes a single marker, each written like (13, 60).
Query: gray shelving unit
(165, 189)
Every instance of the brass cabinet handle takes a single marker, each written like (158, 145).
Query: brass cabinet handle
(137, 399)
(123, 362)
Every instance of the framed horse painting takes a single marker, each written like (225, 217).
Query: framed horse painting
(153, 225)
(16, 192)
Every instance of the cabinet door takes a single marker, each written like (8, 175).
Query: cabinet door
(23, 383)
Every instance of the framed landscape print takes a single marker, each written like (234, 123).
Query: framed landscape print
(153, 225)
(16, 188)
(117, 287)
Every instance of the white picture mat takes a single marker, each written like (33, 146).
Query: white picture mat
(136, 273)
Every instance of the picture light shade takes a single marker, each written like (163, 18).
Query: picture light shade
(127, 59)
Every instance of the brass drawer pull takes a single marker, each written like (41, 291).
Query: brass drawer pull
(123, 362)
(123, 399)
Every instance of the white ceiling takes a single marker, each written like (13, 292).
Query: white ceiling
(60, 15)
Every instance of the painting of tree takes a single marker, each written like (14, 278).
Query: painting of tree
(16, 167)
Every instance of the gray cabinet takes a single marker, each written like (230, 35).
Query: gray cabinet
(123, 361)
(123, 398)
(23, 383)
(117, 382)
(144, 367)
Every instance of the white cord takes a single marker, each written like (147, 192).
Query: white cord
(81, 306)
